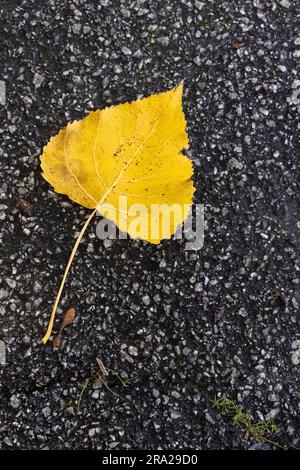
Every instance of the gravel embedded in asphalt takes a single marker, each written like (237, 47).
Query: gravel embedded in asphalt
(177, 327)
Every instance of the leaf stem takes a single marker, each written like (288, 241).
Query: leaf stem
(73, 253)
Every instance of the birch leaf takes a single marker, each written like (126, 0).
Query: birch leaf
(131, 150)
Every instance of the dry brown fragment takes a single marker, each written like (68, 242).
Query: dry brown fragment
(68, 319)
(237, 45)
(56, 341)
(25, 206)
(102, 367)
(275, 294)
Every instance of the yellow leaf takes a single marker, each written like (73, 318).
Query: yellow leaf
(126, 163)
(127, 153)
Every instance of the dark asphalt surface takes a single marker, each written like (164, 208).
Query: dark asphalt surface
(210, 325)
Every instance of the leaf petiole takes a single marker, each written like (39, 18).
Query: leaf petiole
(73, 253)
